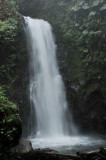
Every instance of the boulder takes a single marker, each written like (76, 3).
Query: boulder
(24, 146)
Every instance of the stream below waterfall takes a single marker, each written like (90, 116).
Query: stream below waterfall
(70, 145)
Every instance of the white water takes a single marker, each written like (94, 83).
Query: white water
(49, 110)
(48, 124)
(70, 144)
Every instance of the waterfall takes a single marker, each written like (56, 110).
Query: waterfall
(49, 108)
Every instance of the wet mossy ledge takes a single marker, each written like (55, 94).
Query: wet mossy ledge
(80, 30)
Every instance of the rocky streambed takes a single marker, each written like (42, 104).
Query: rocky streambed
(48, 154)
(26, 152)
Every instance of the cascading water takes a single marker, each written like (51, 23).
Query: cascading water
(47, 95)
(48, 123)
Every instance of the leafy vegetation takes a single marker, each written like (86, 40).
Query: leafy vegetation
(10, 123)
(8, 35)
(11, 53)
(8, 31)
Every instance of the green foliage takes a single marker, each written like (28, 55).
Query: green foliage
(3, 26)
(96, 2)
(85, 6)
(83, 38)
(9, 121)
(61, 3)
(76, 8)
(103, 7)
(85, 32)
(14, 6)
(8, 32)
(92, 13)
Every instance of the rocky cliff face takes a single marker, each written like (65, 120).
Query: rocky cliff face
(80, 29)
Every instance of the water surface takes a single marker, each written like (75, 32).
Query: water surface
(70, 144)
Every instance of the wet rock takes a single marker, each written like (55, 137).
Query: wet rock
(47, 154)
(93, 111)
(24, 146)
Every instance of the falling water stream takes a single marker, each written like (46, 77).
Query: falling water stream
(50, 123)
